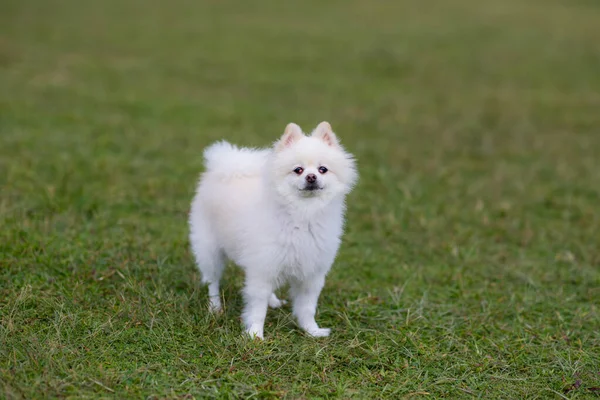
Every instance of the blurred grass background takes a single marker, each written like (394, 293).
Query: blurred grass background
(471, 264)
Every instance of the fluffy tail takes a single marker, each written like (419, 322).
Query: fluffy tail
(228, 161)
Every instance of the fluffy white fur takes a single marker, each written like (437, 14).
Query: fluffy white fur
(279, 223)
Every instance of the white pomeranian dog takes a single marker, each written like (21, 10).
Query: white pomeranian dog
(279, 214)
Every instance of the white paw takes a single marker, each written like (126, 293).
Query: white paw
(255, 332)
(274, 302)
(319, 332)
(215, 306)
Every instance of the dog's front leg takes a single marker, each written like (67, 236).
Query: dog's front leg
(256, 295)
(305, 295)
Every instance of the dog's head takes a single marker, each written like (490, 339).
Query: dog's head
(312, 167)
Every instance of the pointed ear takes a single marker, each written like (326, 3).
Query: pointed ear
(291, 135)
(323, 131)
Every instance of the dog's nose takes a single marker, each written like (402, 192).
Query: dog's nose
(311, 178)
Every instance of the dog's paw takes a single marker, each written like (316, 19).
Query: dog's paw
(319, 332)
(255, 332)
(274, 302)
(215, 306)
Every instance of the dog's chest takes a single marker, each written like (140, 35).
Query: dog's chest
(307, 248)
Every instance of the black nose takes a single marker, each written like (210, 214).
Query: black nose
(311, 178)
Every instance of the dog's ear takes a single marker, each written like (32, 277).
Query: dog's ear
(323, 131)
(292, 134)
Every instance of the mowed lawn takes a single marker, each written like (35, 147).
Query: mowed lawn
(471, 263)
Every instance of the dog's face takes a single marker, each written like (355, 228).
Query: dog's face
(314, 166)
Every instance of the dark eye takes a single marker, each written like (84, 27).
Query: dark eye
(323, 170)
(299, 170)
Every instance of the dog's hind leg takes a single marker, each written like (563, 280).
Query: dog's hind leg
(209, 259)
(275, 302)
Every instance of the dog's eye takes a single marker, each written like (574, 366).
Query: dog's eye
(299, 170)
(323, 170)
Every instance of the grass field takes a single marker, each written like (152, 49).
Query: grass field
(471, 263)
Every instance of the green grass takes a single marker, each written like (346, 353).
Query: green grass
(471, 263)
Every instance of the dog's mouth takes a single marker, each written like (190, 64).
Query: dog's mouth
(311, 187)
